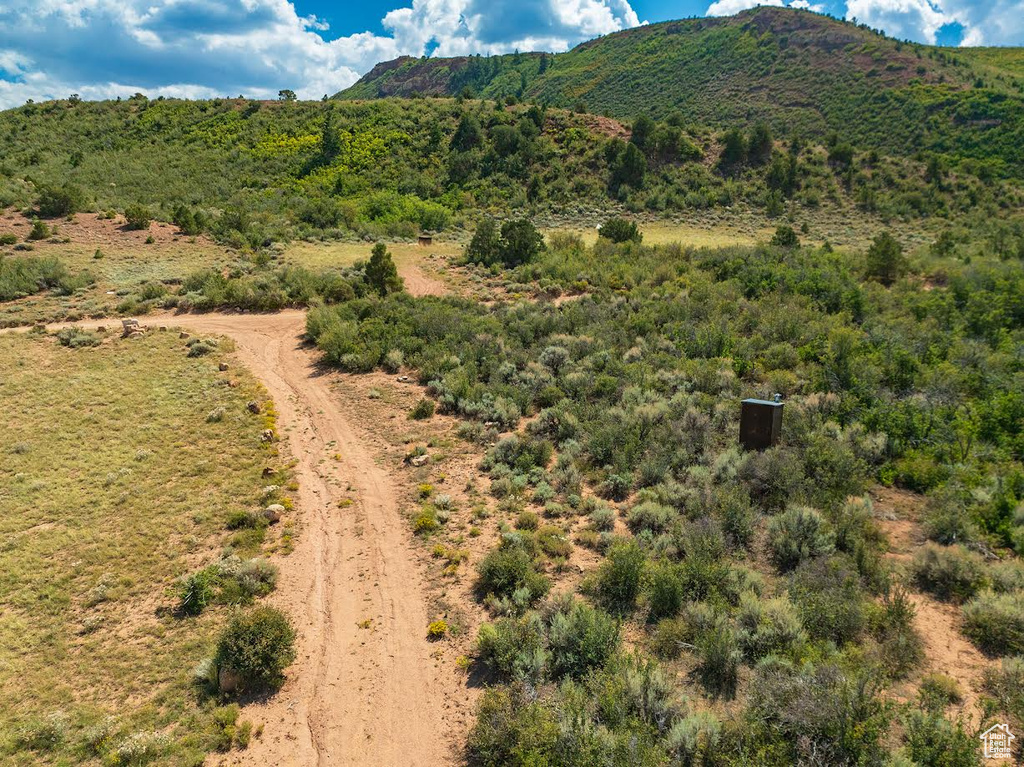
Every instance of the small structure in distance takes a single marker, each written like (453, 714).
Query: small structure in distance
(760, 423)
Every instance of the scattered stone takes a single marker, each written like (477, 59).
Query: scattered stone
(101, 329)
(267, 435)
(233, 383)
(273, 513)
(420, 460)
(253, 406)
(183, 334)
(223, 366)
(131, 327)
(403, 379)
(268, 471)
(228, 680)
(269, 490)
(163, 328)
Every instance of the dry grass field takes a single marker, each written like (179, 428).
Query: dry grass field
(121, 464)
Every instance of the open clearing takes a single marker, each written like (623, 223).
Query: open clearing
(114, 480)
(688, 235)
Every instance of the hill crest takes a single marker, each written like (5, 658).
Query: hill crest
(804, 73)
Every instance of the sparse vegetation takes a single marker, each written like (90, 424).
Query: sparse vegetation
(648, 592)
(78, 575)
(424, 409)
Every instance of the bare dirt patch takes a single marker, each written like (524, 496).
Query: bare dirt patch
(96, 230)
(898, 514)
(419, 283)
(605, 126)
(365, 688)
(947, 651)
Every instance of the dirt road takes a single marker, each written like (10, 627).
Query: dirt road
(419, 283)
(364, 689)
(355, 695)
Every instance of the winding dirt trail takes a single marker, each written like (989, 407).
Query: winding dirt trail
(364, 688)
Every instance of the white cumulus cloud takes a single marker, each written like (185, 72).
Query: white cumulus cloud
(915, 19)
(730, 7)
(202, 48)
(984, 22)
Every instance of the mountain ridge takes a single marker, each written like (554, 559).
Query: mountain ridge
(804, 73)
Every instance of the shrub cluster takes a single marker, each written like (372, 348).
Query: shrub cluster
(517, 242)
(995, 622)
(26, 276)
(257, 645)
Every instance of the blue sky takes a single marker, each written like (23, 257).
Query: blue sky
(345, 19)
(205, 48)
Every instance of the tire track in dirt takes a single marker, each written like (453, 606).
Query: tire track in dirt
(419, 283)
(365, 688)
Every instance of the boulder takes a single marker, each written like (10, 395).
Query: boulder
(228, 680)
(420, 460)
(252, 406)
(223, 366)
(130, 327)
(273, 513)
(183, 334)
(267, 435)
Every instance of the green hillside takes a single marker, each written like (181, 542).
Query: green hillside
(1006, 65)
(804, 73)
(256, 172)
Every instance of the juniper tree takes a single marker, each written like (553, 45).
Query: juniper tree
(381, 273)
